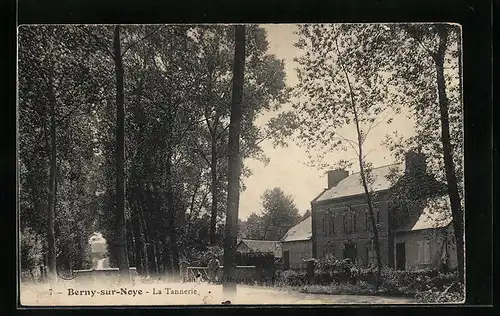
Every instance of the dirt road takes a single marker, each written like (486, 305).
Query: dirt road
(175, 294)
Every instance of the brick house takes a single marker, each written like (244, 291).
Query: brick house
(342, 227)
(297, 245)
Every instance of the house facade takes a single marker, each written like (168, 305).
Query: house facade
(297, 245)
(428, 241)
(342, 225)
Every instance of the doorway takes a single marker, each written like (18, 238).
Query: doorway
(286, 260)
(350, 252)
(400, 256)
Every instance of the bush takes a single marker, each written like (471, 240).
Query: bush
(201, 258)
(331, 270)
(413, 282)
(360, 288)
(31, 250)
(453, 293)
(336, 274)
(291, 278)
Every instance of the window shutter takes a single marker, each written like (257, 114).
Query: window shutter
(354, 221)
(366, 220)
(427, 252)
(419, 251)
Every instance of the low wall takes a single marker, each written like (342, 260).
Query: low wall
(99, 275)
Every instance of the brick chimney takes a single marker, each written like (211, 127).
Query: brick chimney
(415, 162)
(335, 176)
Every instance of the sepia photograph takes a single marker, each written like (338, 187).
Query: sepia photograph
(240, 164)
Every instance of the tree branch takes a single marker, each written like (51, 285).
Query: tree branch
(413, 34)
(373, 125)
(63, 119)
(140, 40)
(222, 132)
(349, 141)
(99, 41)
(203, 155)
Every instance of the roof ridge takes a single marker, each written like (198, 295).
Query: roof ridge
(259, 240)
(384, 166)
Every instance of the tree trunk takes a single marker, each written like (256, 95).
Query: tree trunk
(451, 179)
(151, 264)
(234, 164)
(363, 177)
(213, 189)
(51, 240)
(130, 242)
(138, 244)
(171, 224)
(120, 228)
(369, 202)
(376, 241)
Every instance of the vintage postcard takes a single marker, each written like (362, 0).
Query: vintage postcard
(249, 164)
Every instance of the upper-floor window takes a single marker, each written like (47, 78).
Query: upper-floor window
(331, 225)
(349, 220)
(323, 224)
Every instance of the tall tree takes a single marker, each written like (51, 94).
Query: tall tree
(439, 59)
(234, 163)
(265, 89)
(279, 214)
(430, 85)
(120, 227)
(342, 88)
(253, 227)
(54, 89)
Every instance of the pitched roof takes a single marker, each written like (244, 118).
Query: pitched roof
(436, 214)
(352, 184)
(263, 246)
(301, 231)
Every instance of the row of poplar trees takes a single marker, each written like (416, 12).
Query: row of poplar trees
(138, 132)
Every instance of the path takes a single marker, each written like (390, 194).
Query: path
(157, 294)
(266, 295)
(102, 264)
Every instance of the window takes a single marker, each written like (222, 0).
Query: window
(423, 252)
(323, 224)
(371, 257)
(332, 223)
(354, 227)
(349, 221)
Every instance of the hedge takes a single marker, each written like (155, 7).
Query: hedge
(394, 282)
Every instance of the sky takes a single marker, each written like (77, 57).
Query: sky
(287, 168)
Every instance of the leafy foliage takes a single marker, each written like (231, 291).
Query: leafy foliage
(177, 84)
(31, 246)
(279, 214)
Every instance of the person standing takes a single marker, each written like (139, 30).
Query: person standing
(213, 269)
